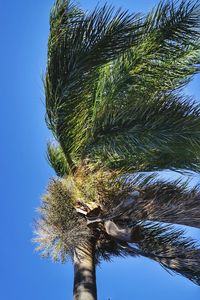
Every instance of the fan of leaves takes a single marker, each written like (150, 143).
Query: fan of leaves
(113, 86)
(115, 105)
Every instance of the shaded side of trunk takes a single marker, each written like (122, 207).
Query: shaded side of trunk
(84, 272)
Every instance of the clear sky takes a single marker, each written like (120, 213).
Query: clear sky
(25, 173)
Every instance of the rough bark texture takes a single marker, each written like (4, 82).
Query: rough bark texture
(84, 273)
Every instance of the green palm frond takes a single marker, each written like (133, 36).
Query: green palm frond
(171, 18)
(139, 119)
(139, 70)
(111, 86)
(162, 132)
(170, 248)
(57, 160)
(78, 45)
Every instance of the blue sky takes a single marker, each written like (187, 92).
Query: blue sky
(25, 173)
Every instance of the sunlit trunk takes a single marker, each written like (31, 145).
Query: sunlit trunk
(84, 273)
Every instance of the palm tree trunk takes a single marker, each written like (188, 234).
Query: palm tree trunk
(84, 272)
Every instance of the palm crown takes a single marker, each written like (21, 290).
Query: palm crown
(115, 105)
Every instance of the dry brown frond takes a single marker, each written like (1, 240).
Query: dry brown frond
(168, 202)
(60, 228)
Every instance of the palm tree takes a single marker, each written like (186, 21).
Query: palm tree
(115, 105)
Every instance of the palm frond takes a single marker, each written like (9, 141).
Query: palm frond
(96, 91)
(170, 248)
(78, 45)
(162, 132)
(136, 96)
(168, 202)
(57, 159)
(139, 70)
(134, 197)
(59, 228)
(175, 20)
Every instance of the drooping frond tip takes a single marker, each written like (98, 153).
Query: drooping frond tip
(57, 160)
(173, 18)
(170, 248)
(78, 45)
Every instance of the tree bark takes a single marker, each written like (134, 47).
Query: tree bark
(84, 272)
